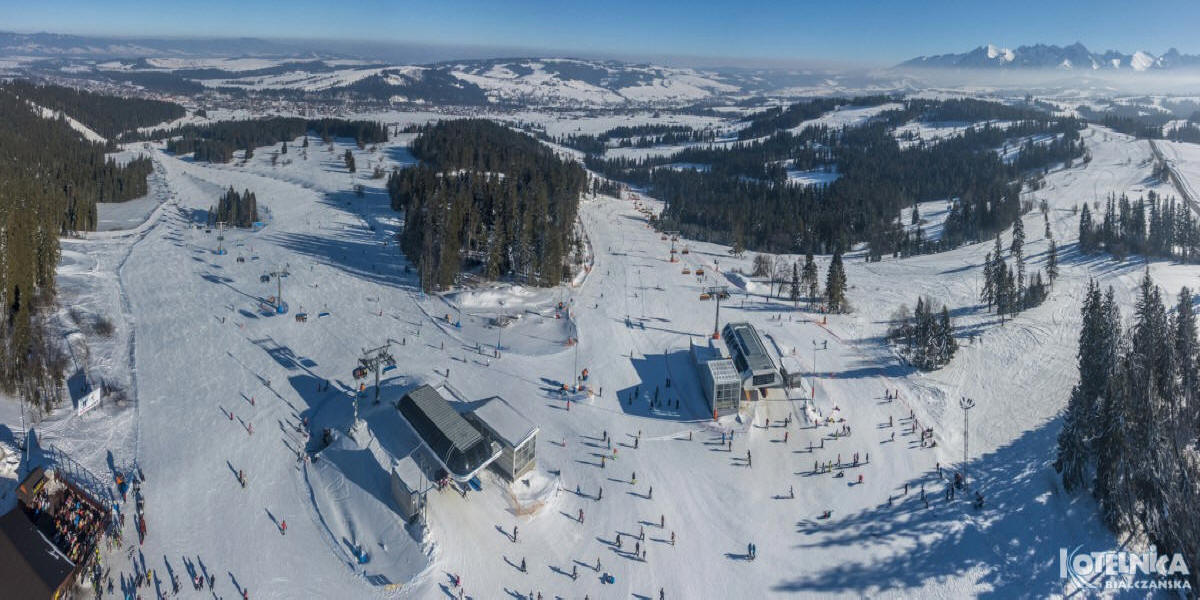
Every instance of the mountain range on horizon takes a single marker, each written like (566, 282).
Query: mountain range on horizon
(1048, 56)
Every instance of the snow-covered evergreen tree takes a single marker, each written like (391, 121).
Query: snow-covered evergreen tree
(835, 284)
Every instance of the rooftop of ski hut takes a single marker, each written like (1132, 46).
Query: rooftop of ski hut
(442, 428)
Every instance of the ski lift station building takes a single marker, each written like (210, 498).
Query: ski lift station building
(504, 425)
(718, 378)
(750, 357)
(460, 449)
(408, 487)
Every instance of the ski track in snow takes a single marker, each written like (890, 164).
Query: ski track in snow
(201, 344)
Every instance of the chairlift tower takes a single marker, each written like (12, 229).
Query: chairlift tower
(279, 274)
(220, 238)
(674, 238)
(718, 293)
(374, 360)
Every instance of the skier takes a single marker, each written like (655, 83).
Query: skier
(581, 515)
(574, 572)
(597, 564)
(283, 528)
(650, 494)
(514, 533)
(599, 494)
(522, 564)
(662, 521)
(641, 532)
(633, 478)
(860, 478)
(672, 538)
(791, 492)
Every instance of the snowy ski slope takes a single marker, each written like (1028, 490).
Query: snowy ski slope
(194, 345)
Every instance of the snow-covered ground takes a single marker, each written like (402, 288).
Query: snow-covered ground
(848, 116)
(812, 176)
(217, 384)
(1184, 159)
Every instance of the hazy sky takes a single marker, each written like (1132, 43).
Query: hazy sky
(854, 30)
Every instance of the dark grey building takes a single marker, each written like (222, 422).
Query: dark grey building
(750, 357)
(456, 445)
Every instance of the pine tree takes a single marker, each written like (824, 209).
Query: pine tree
(349, 158)
(283, 148)
(835, 284)
(795, 289)
(810, 277)
(1017, 247)
(1052, 262)
(1086, 230)
(988, 293)
(738, 248)
(1187, 354)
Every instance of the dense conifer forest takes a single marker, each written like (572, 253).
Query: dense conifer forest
(743, 196)
(50, 181)
(218, 142)
(234, 209)
(1131, 431)
(109, 116)
(639, 136)
(489, 199)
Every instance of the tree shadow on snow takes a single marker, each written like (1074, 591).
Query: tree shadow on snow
(1014, 539)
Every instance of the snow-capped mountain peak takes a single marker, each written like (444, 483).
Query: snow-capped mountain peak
(1046, 56)
(1003, 54)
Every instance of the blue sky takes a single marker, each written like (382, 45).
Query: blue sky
(848, 30)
